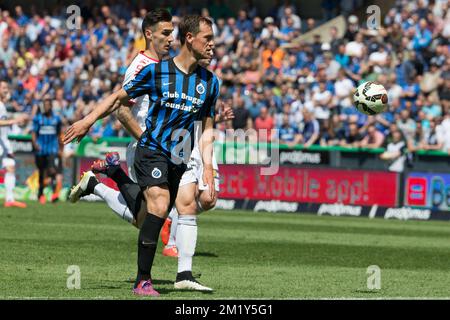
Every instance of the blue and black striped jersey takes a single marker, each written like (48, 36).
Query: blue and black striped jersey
(47, 131)
(177, 100)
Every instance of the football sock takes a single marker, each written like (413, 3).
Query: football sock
(129, 189)
(115, 201)
(186, 241)
(173, 227)
(185, 275)
(10, 183)
(41, 183)
(92, 183)
(58, 185)
(147, 243)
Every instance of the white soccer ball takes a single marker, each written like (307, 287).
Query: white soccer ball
(370, 98)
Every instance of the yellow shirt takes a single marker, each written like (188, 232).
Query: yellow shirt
(139, 43)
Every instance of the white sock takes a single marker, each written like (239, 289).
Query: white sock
(173, 227)
(186, 241)
(115, 201)
(10, 183)
(91, 198)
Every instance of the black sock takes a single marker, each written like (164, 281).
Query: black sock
(41, 183)
(185, 275)
(147, 243)
(91, 185)
(129, 189)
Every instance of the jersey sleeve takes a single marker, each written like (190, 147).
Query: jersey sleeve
(210, 107)
(36, 124)
(142, 83)
(128, 76)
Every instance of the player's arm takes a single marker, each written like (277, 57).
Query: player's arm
(314, 136)
(125, 116)
(297, 140)
(10, 122)
(206, 150)
(34, 135)
(136, 87)
(79, 129)
(207, 139)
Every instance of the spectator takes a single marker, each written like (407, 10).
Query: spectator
(406, 125)
(432, 141)
(242, 119)
(289, 13)
(243, 23)
(322, 100)
(351, 137)
(273, 55)
(311, 129)
(288, 134)
(374, 138)
(264, 124)
(394, 153)
(332, 131)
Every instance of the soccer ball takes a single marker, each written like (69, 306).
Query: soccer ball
(370, 98)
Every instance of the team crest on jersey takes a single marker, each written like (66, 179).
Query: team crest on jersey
(200, 88)
(156, 173)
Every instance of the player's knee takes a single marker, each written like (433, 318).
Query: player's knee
(207, 202)
(158, 208)
(187, 208)
(157, 202)
(11, 169)
(9, 164)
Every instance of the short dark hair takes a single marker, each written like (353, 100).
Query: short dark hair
(154, 16)
(191, 23)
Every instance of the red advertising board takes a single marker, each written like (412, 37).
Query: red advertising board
(315, 185)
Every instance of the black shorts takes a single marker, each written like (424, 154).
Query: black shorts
(46, 162)
(153, 168)
(59, 165)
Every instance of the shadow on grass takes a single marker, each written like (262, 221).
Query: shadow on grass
(368, 291)
(206, 254)
(154, 281)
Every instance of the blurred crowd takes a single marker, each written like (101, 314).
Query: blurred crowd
(271, 80)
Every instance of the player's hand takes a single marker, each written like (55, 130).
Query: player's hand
(76, 131)
(226, 113)
(208, 179)
(22, 119)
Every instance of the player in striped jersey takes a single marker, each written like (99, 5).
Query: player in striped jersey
(181, 92)
(47, 145)
(116, 200)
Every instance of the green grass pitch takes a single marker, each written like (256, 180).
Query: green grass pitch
(239, 254)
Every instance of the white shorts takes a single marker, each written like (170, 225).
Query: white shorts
(5, 161)
(194, 173)
(131, 151)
